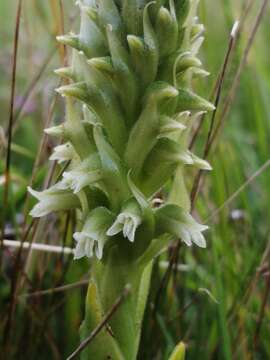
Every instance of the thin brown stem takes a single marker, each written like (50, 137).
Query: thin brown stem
(54, 290)
(11, 115)
(105, 320)
(32, 85)
(195, 188)
(231, 96)
(262, 310)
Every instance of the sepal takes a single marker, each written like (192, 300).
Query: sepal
(108, 14)
(65, 72)
(170, 127)
(69, 40)
(56, 198)
(103, 63)
(124, 77)
(144, 51)
(187, 100)
(86, 173)
(64, 152)
(167, 30)
(76, 90)
(91, 37)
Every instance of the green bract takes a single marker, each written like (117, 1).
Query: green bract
(129, 109)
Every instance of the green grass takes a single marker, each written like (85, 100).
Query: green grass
(47, 326)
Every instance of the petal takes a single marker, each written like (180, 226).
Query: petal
(79, 251)
(131, 235)
(115, 228)
(198, 239)
(43, 208)
(185, 236)
(89, 246)
(127, 227)
(99, 247)
(36, 194)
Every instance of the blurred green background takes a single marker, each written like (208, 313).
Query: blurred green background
(215, 300)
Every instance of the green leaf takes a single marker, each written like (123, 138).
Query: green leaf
(178, 352)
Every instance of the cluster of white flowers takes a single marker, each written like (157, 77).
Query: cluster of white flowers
(131, 109)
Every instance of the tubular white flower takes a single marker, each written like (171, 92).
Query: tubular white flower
(92, 238)
(191, 232)
(88, 172)
(63, 152)
(78, 179)
(176, 221)
(127, 221)
(54, 199)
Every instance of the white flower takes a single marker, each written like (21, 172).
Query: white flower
(127, 221)
(175, 220)
(191, 232)
(64, 152)
(92, 238)
(54, 199)
(88, 172)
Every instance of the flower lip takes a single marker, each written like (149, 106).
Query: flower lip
(127, 223)
(91, 240)
(87, 246)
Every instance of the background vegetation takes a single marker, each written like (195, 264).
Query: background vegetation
(215, 300)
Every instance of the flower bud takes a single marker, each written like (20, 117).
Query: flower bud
(167, 31)
(63, 153)
(187, 100)
(57, 131)
(70, 40)
(65, 72)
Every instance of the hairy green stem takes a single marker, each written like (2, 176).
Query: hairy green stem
(119, 339)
